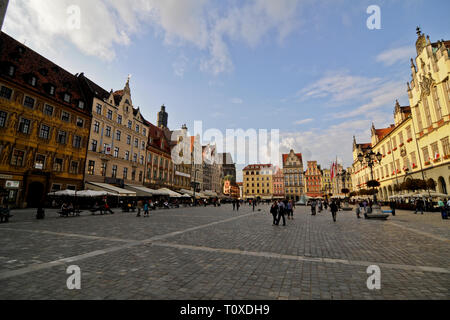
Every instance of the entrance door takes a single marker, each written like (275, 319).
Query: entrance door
(35, 194)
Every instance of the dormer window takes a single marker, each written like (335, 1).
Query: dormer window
(11, 70)
(32, 81)
(67, 97)
(81, 104)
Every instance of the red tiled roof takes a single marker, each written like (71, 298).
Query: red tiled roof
(285, 156)
(30, 63)
(381, 133)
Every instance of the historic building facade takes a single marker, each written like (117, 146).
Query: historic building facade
(313, 180)
(44, 126)
(257, 182)
(417, 144)
(117, 150)
(327, 187)
(294, 186)
(278, 184)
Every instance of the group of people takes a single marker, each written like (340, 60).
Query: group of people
(281, 208)
(145, 206)
(320, 205)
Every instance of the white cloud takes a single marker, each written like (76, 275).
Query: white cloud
(111, 23)
(237, 101)
(392, 56)
(304, 121)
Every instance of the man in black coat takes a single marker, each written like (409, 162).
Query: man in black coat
(274, 212)
(334, 209)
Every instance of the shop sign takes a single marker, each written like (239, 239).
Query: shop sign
(12, 184)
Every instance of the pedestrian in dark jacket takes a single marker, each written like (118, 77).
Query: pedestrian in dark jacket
(274, 212)
(334, 209)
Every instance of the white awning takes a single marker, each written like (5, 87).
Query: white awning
(110, 188)
(190, 192)
(170, 193)
(142, 191)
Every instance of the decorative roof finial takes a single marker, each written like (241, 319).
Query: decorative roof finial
(419, 33)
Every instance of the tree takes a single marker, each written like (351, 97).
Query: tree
(373, 183)
(345, 190)
(431, 184)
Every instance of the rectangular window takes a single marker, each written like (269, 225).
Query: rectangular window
(119, 119)
(400, 137)
(435, 150)
(137, 128)
(62, 137)
(116, 152)
(44, 133)
(136, 142)
(11, 71)
(125, 173)
(128, 140)
(127, 155)
(447, 87)
(108, 131)
(17, 158)
(58, 165)
(394, 142)
(437, 104)
(408, 133)
(103, 169)
(40, 162)
(94, 146)
(76, 142)
(143, 145)
(110, 114)
(144, 131)
(65, 116)
(24, 126)
(142, 159)
(445, 146)
(114, 171)
(51, 90)
(426, 107)
(426, 156)
(80, 122)
(91, 167)
(48, 110)
(96, 127)
(74, 167)
(99, 109)
(3, 116)
(118, 133)
(5, 92)
(129, 124)
(419, 119)
(28, 102)
(67, 97)
(413, 158)
(81, 104)
(135, 157)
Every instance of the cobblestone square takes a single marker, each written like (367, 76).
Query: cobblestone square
(218, 253)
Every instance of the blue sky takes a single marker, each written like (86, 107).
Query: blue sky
(309, 68)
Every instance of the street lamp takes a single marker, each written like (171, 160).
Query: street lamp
(370, 159)
(195, 185)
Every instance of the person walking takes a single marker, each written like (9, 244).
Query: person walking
(107, 208)
(146, 209)
(254, 204)
(281, 212)
(334, 209)
(392, 206)
(441, 206)
(238, 204)
(234, 204)
(274, 212)
(419, 206)
(139, 207)
(313, 208)
(289, 209)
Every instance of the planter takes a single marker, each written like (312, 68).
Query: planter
(409, 140)
(414, 166)
(447, 157)
(395, 149)
(401, 145)
(427, 163)
(389, 152)
(436, 160)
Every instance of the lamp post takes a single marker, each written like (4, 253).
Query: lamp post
(195, 185)
(370, 159)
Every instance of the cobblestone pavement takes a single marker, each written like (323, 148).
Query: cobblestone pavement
(217, 253)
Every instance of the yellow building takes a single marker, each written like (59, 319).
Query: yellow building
(417, 144)
(429, 97)
(294, 182)
(118, 137)
(257, 182)
(326, 182)
(44, 126)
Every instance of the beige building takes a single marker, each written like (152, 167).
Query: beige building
(326, 182)
(257, 182)
(117, 147)
(417, 144)
(293, 175)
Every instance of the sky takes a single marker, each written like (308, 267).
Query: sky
(311, 69)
